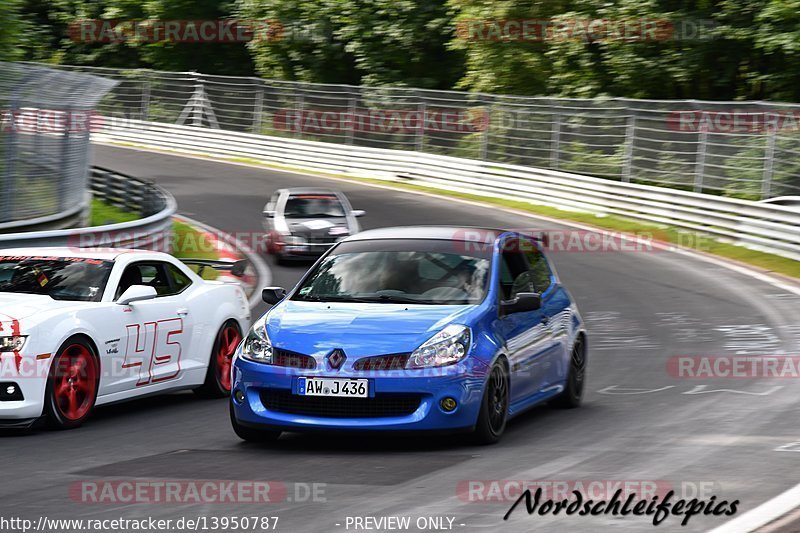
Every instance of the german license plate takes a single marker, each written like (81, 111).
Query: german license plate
(350, 388)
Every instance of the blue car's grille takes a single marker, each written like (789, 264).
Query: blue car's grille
(395, 361)
(292, 359)
(381, 406)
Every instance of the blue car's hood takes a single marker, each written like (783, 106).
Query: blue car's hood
(316, 328)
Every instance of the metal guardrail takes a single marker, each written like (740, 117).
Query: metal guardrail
(129, 194)
(739, 149)
(771, 228)
(153, 231)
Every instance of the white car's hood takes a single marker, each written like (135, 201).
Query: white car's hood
(16, 306)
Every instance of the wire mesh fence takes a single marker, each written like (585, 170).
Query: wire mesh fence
(45, 120)
(742, 149)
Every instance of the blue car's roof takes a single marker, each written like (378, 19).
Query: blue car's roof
(447, 233)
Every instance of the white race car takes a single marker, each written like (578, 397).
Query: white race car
(80, 328)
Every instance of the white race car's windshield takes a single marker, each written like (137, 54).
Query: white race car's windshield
(399, 271)
(313, 206)
(61, 278)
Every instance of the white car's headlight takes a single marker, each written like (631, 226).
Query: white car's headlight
(447, 347)
(12, 344)
(257, 346)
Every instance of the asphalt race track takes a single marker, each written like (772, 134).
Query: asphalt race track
(701, 437)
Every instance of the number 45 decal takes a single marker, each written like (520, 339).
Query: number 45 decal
(150, 346)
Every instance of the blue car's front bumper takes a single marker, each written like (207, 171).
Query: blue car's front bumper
(259, 382)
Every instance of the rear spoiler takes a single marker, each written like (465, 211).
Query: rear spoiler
(236, 268)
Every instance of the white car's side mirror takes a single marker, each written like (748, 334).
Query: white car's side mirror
(137, 293)
(358, 212)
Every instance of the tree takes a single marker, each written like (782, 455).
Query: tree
(398, 42)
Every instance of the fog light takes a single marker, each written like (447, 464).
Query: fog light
(239, 396)
(448, 404)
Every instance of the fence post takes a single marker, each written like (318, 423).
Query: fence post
(484, 150)
(630, 135)
(351, 130)
(699, 169)
(769, 163)
(197, 102)
(63, 182)
(556, 141)
(420, 143)
(145, 104)
(258, 108)
(298, 109)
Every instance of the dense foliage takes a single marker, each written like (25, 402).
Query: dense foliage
(705, 49)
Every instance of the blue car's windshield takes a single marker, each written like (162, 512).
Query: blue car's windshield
(399, 271)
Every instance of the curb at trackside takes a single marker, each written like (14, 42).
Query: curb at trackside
(263, 272)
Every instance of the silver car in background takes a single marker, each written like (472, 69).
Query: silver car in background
(303, 222)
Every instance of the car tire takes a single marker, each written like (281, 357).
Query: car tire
(72, 384)
(217, 383)
(572, 395)
(252, 434)
(494, 406)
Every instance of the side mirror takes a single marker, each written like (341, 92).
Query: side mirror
(137, 293)
(273, 295)
(525, 301)
(269, 213)
(358, 212)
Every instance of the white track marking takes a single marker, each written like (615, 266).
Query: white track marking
(762, 515)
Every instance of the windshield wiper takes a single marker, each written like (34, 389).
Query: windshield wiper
(395, 299)
(330, 298)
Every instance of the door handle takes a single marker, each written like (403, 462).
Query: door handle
(183, 311)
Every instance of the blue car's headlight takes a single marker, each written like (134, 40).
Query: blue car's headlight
(447, 347)
(257, 346)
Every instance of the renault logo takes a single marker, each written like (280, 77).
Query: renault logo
(336, 358)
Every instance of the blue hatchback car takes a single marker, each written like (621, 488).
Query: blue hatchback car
(412, 328)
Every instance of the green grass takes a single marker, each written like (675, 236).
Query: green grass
(695, 241)
(103, 213)
(187, 241)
